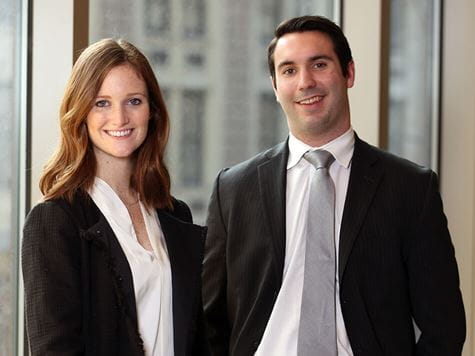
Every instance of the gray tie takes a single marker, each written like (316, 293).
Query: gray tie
(317, 329)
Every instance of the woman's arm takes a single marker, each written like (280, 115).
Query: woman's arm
(51, 254)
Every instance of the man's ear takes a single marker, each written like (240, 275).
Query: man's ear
(274, 86)
(350, 77)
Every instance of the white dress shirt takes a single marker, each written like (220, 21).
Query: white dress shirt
(151, 271)
(281, 334)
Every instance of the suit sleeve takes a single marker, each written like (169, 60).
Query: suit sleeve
(434, 282)
(214, 277)
(52, 278)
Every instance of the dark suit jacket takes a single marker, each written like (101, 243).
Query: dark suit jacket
(78, 285)
(396, 259)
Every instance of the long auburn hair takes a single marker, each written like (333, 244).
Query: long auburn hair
(72, 167)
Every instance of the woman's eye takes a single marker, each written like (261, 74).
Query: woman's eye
(101, 103)
(135, 101)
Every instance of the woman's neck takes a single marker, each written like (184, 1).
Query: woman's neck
(116, 172)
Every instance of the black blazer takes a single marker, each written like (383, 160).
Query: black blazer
(79, 294)
(396, 259)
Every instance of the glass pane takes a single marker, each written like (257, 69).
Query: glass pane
(191, 138)
(9, 180)
(413, 87)
(210, 60)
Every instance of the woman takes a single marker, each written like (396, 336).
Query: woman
(111, 261)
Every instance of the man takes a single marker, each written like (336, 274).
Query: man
(268, 269)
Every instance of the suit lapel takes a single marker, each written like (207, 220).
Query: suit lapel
(272, 176)
(185, 244)
(364, 179)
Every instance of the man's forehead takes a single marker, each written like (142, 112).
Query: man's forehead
(303, 45)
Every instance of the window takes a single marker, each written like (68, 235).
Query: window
(272, 123)
(210, 59)
(10, 179)
(270, 16)
(106, 23)
(413, 80)
(191, 145)
(194, 18)
(156, 15)
(326, 8)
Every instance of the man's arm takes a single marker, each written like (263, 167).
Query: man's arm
(214, 278)
(434, 282)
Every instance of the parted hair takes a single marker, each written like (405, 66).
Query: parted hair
(312, 23)
(72, 167)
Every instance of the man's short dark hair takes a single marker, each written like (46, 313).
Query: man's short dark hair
(312, 23)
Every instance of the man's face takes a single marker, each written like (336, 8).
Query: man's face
(311, 88)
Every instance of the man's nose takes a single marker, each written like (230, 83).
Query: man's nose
(306, 79)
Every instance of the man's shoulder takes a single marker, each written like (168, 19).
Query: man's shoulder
(390, 161)
(249, 167)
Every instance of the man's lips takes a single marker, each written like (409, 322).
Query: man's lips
(311, 100)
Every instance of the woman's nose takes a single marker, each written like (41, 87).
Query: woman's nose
(119, 116)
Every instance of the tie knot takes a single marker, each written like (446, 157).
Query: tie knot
(319, 158)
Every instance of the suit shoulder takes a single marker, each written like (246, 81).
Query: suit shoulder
(394, 163)
(249, 167)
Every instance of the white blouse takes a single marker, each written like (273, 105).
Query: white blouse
(151, 270)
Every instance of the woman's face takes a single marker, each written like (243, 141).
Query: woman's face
(118, 121)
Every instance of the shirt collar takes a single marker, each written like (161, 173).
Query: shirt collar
(109, 203)
(341, 148)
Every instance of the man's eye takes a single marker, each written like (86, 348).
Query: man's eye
(101, 103)
(135, 101)
(320, 65)
(288, 71)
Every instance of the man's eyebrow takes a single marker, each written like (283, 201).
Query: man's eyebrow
(311, 59)
(285, 63)
(320, 56)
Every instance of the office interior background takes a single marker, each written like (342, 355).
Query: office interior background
(414, 96)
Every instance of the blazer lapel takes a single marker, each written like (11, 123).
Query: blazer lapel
(364, 179)
(272, 176)
(185, 243)
(119, 266)
(94, 227)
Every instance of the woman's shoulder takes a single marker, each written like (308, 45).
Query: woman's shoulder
(181, 218)
(49, 211)
(50, 226)
(58, 211)
(181, 211)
